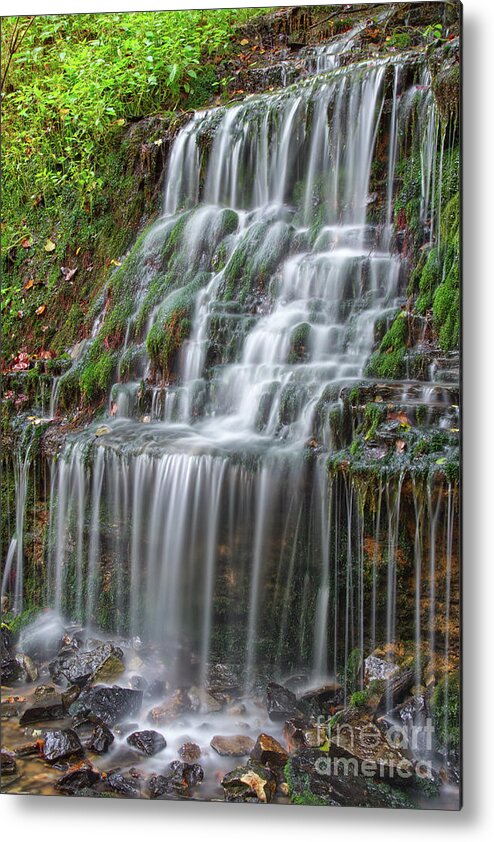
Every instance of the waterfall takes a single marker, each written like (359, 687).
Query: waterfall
(203, 516)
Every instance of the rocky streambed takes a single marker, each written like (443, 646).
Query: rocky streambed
(83, 716)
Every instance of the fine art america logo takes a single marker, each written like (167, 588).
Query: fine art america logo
(359, 750)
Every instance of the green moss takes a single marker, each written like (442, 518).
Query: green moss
(95, 377)
(374, 414)
(299, 341)
(299, 789)
(445, 706)
(359, 699)
(429, 280)
(389, 361)
(446, 305)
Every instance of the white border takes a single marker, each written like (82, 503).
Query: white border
(80, 820)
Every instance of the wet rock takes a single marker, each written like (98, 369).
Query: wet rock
(11, 671)
(238, 745)
(312, 781)
(137, 682)
(301, 734)
(378, 669)
(268, 751)
(158, 786)
(9, 710)
(41, 640)
(100, 739)
(280, 702)
(396, 690)
(357, 738)
(6, 643)
(70, 695)
(189, 752)
(203, 702)
(177, 703)
(8, 766)
(101, 664)
(28, 666)
(236, 710)
(117, 782)
(28, 749)
(45, 690)
(187, 774)
(148, 742)
(44, 709)
(323, 697)
(251, 782)
(61, 744)
(156, 689)
(110, 704)
(78, 779)
(180, 778)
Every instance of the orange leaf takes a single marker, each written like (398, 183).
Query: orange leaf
(41, 310)
(29, 284)
(26, 243)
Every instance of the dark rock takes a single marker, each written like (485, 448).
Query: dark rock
(41, 640)
(186, 775)
(70, 695)
(222, 678)
(9, 710)
(100, 739)
(6, 643)
(252, 782)
(60, 744)
(148, 742)
(280, 702)
(158, 786)
(137, 682)
(311, 781)
(396, 689)
(111, 704)
(11, 672)
(118, 783)
(328, 695)
(268, 751)
(235, 746)
(8, 766)
(301, 734)
(189, 752)
(101, 664)
(78, 779)
(28, 749)
(46, 708)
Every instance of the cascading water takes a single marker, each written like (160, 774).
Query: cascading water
(204, 517)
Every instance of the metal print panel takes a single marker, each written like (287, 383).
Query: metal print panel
(230, 477)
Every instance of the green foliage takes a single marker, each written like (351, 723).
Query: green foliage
(445, 705)
(16, 623)
(351, 674)
(299, 789)
(446, 305)
(359, 698)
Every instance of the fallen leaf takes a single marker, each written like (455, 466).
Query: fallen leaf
(102, 430)
(50, 245)
(400, 446)
(68, 273)
(29, 284)
(41, 310)
(115, 263)
(77, 249)
(26, 243)
(244, 42)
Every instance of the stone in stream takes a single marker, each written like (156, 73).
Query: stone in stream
(203, 702)
(101, 664)
(358, 739)
(44, 690)
(8, 765)
(111, 704)
(78, 779)
(251, 782)
(100, 739)
(268, 751)
(46, 708)
(117, 782)
(328, 695)
(28, 666)
(177, 703)
(180, 778)
(6, 643)
(189, 752)
(12, 672)
(147, 742)
(61, 744)
(238, 745)
(280, 702)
